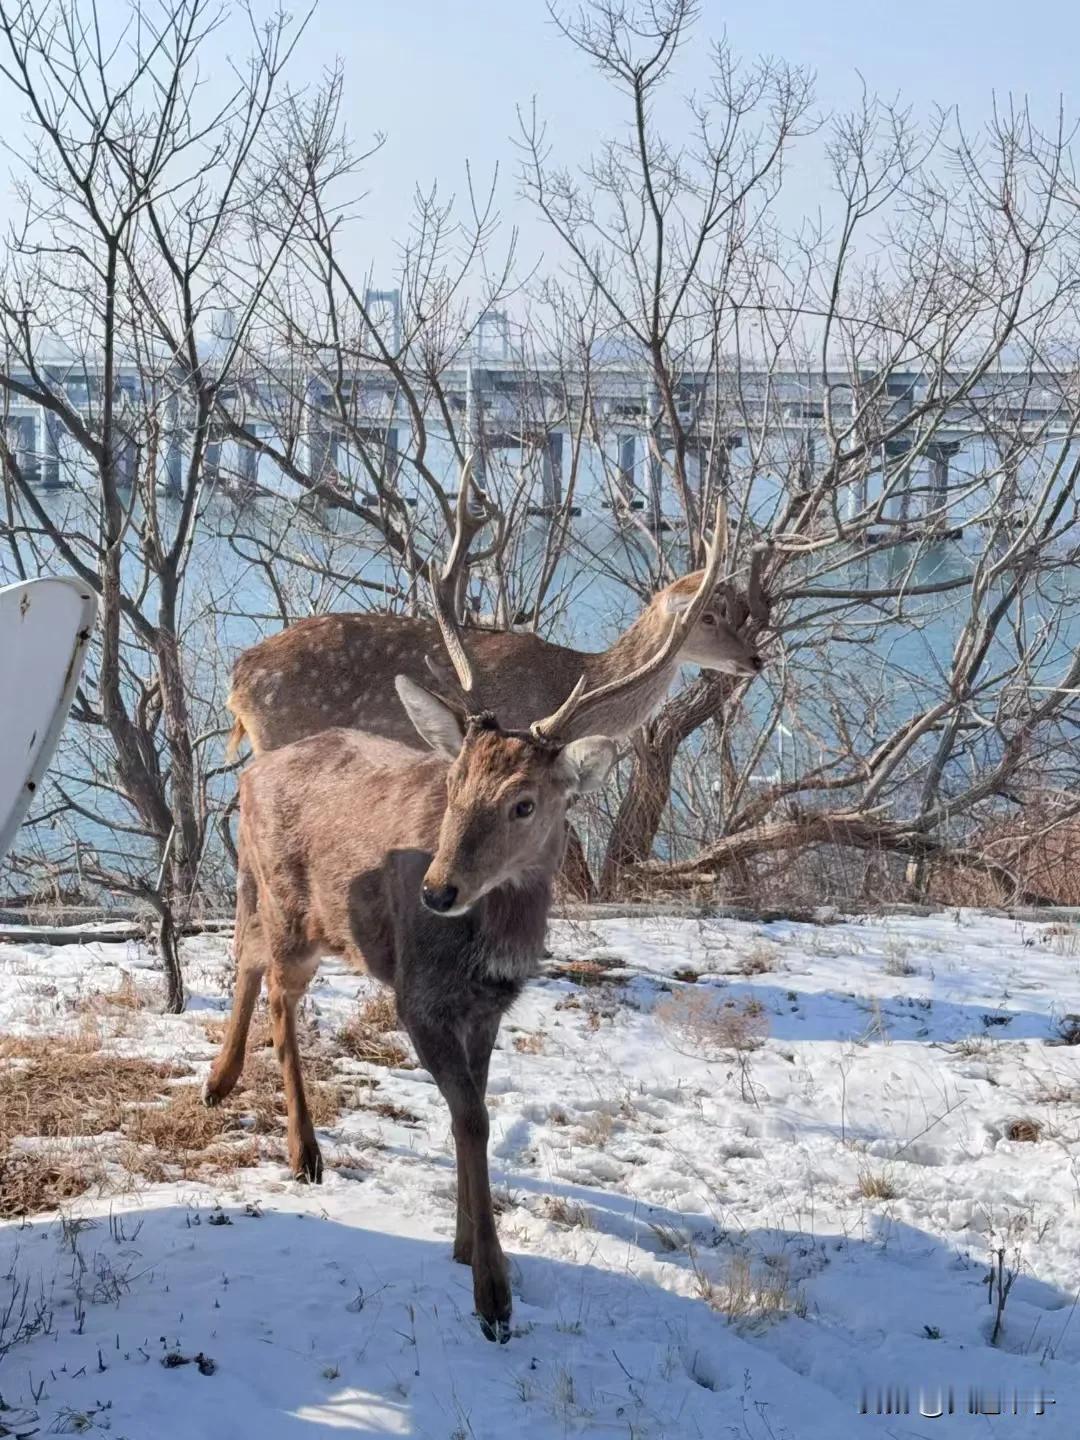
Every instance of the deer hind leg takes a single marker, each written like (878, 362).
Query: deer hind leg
(456, 1071)
(250, 947)
(287, 983)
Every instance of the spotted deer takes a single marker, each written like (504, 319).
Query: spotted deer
(337, 669)
(434, 873)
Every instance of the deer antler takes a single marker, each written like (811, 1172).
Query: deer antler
(579, 702)
(444, 588)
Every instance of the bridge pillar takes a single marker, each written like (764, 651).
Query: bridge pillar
(940, 453)
(212, 458)
(127, 461)
(624, 475)
(474, 424)
(174, 452)
(900, 503)
(552, 473)
(857, 497)
(390, 453)
(247, 466)
(53, 428)
(26, 447)
(322, 451)
(804, 469)
(656, 483)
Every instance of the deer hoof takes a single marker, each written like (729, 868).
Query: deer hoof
(210, 1096)
(491, 1294)
(309, 1168)
(495, 1330)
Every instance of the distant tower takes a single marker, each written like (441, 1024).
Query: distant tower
(377, 303)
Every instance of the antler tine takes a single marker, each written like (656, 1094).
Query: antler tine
(443, 597)
(463, 528)
(452, 640)
(578, 703)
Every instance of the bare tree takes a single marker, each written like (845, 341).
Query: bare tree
(135, 231)
(826, 381)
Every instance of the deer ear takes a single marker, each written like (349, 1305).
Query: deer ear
(675, 603)
(443, 674)
(584, 764)
(436, 722)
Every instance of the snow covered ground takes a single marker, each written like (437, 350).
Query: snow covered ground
(747, 1171)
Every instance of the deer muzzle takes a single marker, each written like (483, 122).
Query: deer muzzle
(439, 898)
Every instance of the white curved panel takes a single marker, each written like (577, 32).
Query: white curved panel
(45, 626)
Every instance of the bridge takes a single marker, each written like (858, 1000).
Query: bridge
(498, 401)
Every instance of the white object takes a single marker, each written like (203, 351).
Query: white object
(45, 626)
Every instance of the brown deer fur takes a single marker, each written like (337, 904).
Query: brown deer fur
(336, 670)
(349, 844)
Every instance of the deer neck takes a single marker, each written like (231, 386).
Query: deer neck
(512, 927)
(631, 650)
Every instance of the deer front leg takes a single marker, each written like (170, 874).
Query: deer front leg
(444, 1054)
(463, 1226)
(304, 1156)
(250, 968)
(479, 1041)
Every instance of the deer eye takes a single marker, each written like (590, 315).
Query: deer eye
(708, 618)
(523, 809)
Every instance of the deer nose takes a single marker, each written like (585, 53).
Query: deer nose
(756, 663)
(439, 898)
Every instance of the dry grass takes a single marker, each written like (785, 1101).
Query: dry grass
(597, 1129)
(261, 1097)
(897, 963)
(369, 1035)
(259, 1037)
(379, 1011)
(700, 1025)
(669, 1239)
(45, 1178)
(1024, 1130)
(876, 1185)
(562, 1211)
(595, 971)
(389, 1111)
(1037, 846)
(65, 1090)
(1058, 1095)
(971, 1047)
(56, 1086)
(529, 1044)
(61, 1089)
(126, 996)
(752, 1296)
(761, 957)
(1068, 1031)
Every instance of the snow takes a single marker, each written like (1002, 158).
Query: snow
(730, 1204)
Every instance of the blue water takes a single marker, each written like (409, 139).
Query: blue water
(228, 602)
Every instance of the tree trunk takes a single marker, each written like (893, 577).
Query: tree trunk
(642, 808)
(169, 941)
(575, 877)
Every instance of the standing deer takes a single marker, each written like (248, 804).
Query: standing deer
(337, 669)
(434, 873)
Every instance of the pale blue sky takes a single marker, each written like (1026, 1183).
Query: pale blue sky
(442, 79)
